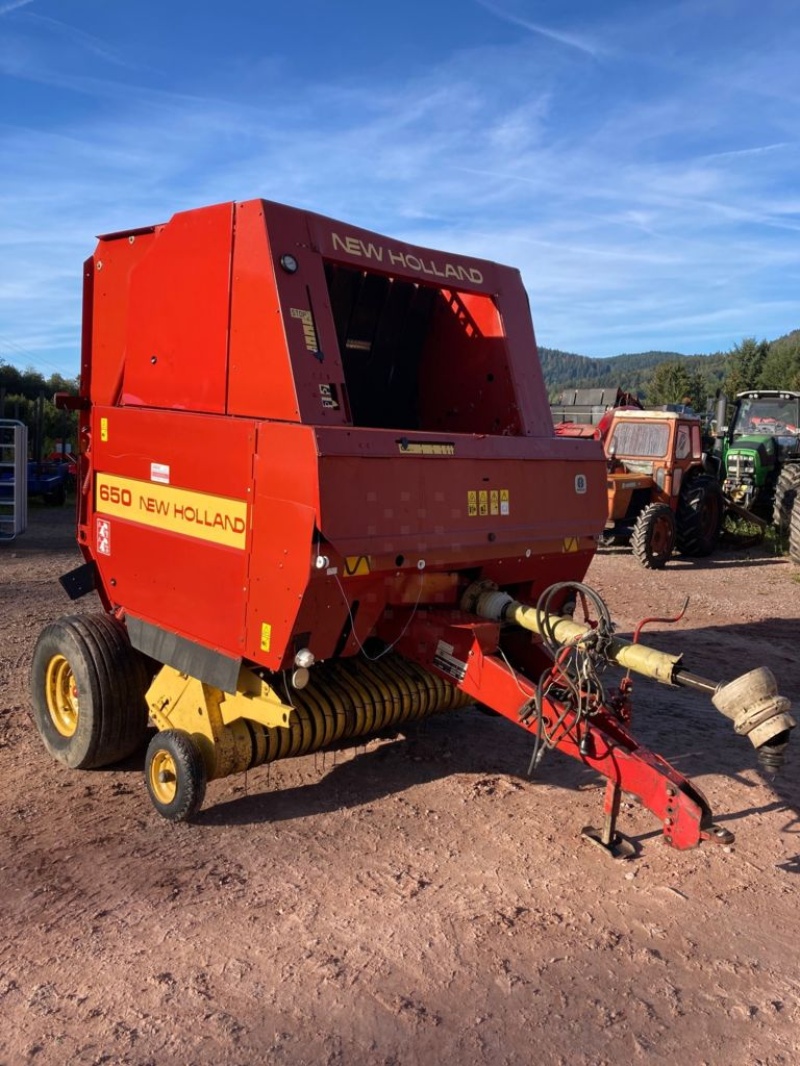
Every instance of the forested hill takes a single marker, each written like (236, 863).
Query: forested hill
(633, 373)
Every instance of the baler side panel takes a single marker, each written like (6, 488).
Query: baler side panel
(260, 381)
(155, 574)
(169, 529)
(178, 314)
(283, 525)
(108, 311)
(526, 370)
(289, 367)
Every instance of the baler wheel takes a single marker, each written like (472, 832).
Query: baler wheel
(653, 537)
(87, 687)
(175, 775)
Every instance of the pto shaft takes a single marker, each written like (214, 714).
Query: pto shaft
(751, 701)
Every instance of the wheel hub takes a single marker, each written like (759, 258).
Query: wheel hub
(61, 692)
(163, 777)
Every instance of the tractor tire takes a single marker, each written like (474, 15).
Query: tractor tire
(699, 517)
(794, 536)
(653, 537)
(175, 775)
(88, 688)
(786, 491)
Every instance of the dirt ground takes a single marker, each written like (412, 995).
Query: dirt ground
(415, 901)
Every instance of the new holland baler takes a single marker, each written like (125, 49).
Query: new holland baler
(320, 496)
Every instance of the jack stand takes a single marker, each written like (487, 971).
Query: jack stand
(613, 843)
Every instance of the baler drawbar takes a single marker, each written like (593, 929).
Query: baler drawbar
(320, 496)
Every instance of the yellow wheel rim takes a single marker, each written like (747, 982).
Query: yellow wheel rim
(62, 696)
(163, 777)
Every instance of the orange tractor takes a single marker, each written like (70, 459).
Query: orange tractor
(660, 496)
(382, 526)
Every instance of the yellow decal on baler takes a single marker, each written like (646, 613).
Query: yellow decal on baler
(309, 329)
(571, 544)
(472, 503)
(494, 502)
(104, 429)
(266, 636)
(194, 514)
(483, 502)
(356, 565)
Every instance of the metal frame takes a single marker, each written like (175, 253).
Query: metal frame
(13, 488)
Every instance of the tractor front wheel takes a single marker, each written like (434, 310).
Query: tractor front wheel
(653, 537)
(175, 775)
(88, 691)
(699, 517)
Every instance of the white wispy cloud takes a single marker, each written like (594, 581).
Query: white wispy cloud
(571, 40)
(85, 41)
(6, 9)
(755, 150)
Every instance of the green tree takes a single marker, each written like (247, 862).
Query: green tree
(28, 396)
(745, 364)
(781, 369)
(670, 383)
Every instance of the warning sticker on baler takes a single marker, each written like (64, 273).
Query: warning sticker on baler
(356, 565)
(445, 660)
(103, 536)
(487, 502)
(194, 514)
(309, 329)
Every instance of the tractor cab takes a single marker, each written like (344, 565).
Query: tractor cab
(763, 436)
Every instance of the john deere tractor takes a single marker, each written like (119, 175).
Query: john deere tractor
(759, 451)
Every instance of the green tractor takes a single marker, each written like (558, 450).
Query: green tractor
(759, 452)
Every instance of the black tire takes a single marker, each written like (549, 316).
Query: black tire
(175, 775)
(699, 517)
(88, 689)
(794, 536)
(786, 490)
(653, 537)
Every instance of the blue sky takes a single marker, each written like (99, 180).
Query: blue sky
(637, 161)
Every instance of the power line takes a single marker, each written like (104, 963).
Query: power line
(25, 354)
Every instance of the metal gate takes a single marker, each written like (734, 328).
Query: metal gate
(13, 478)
